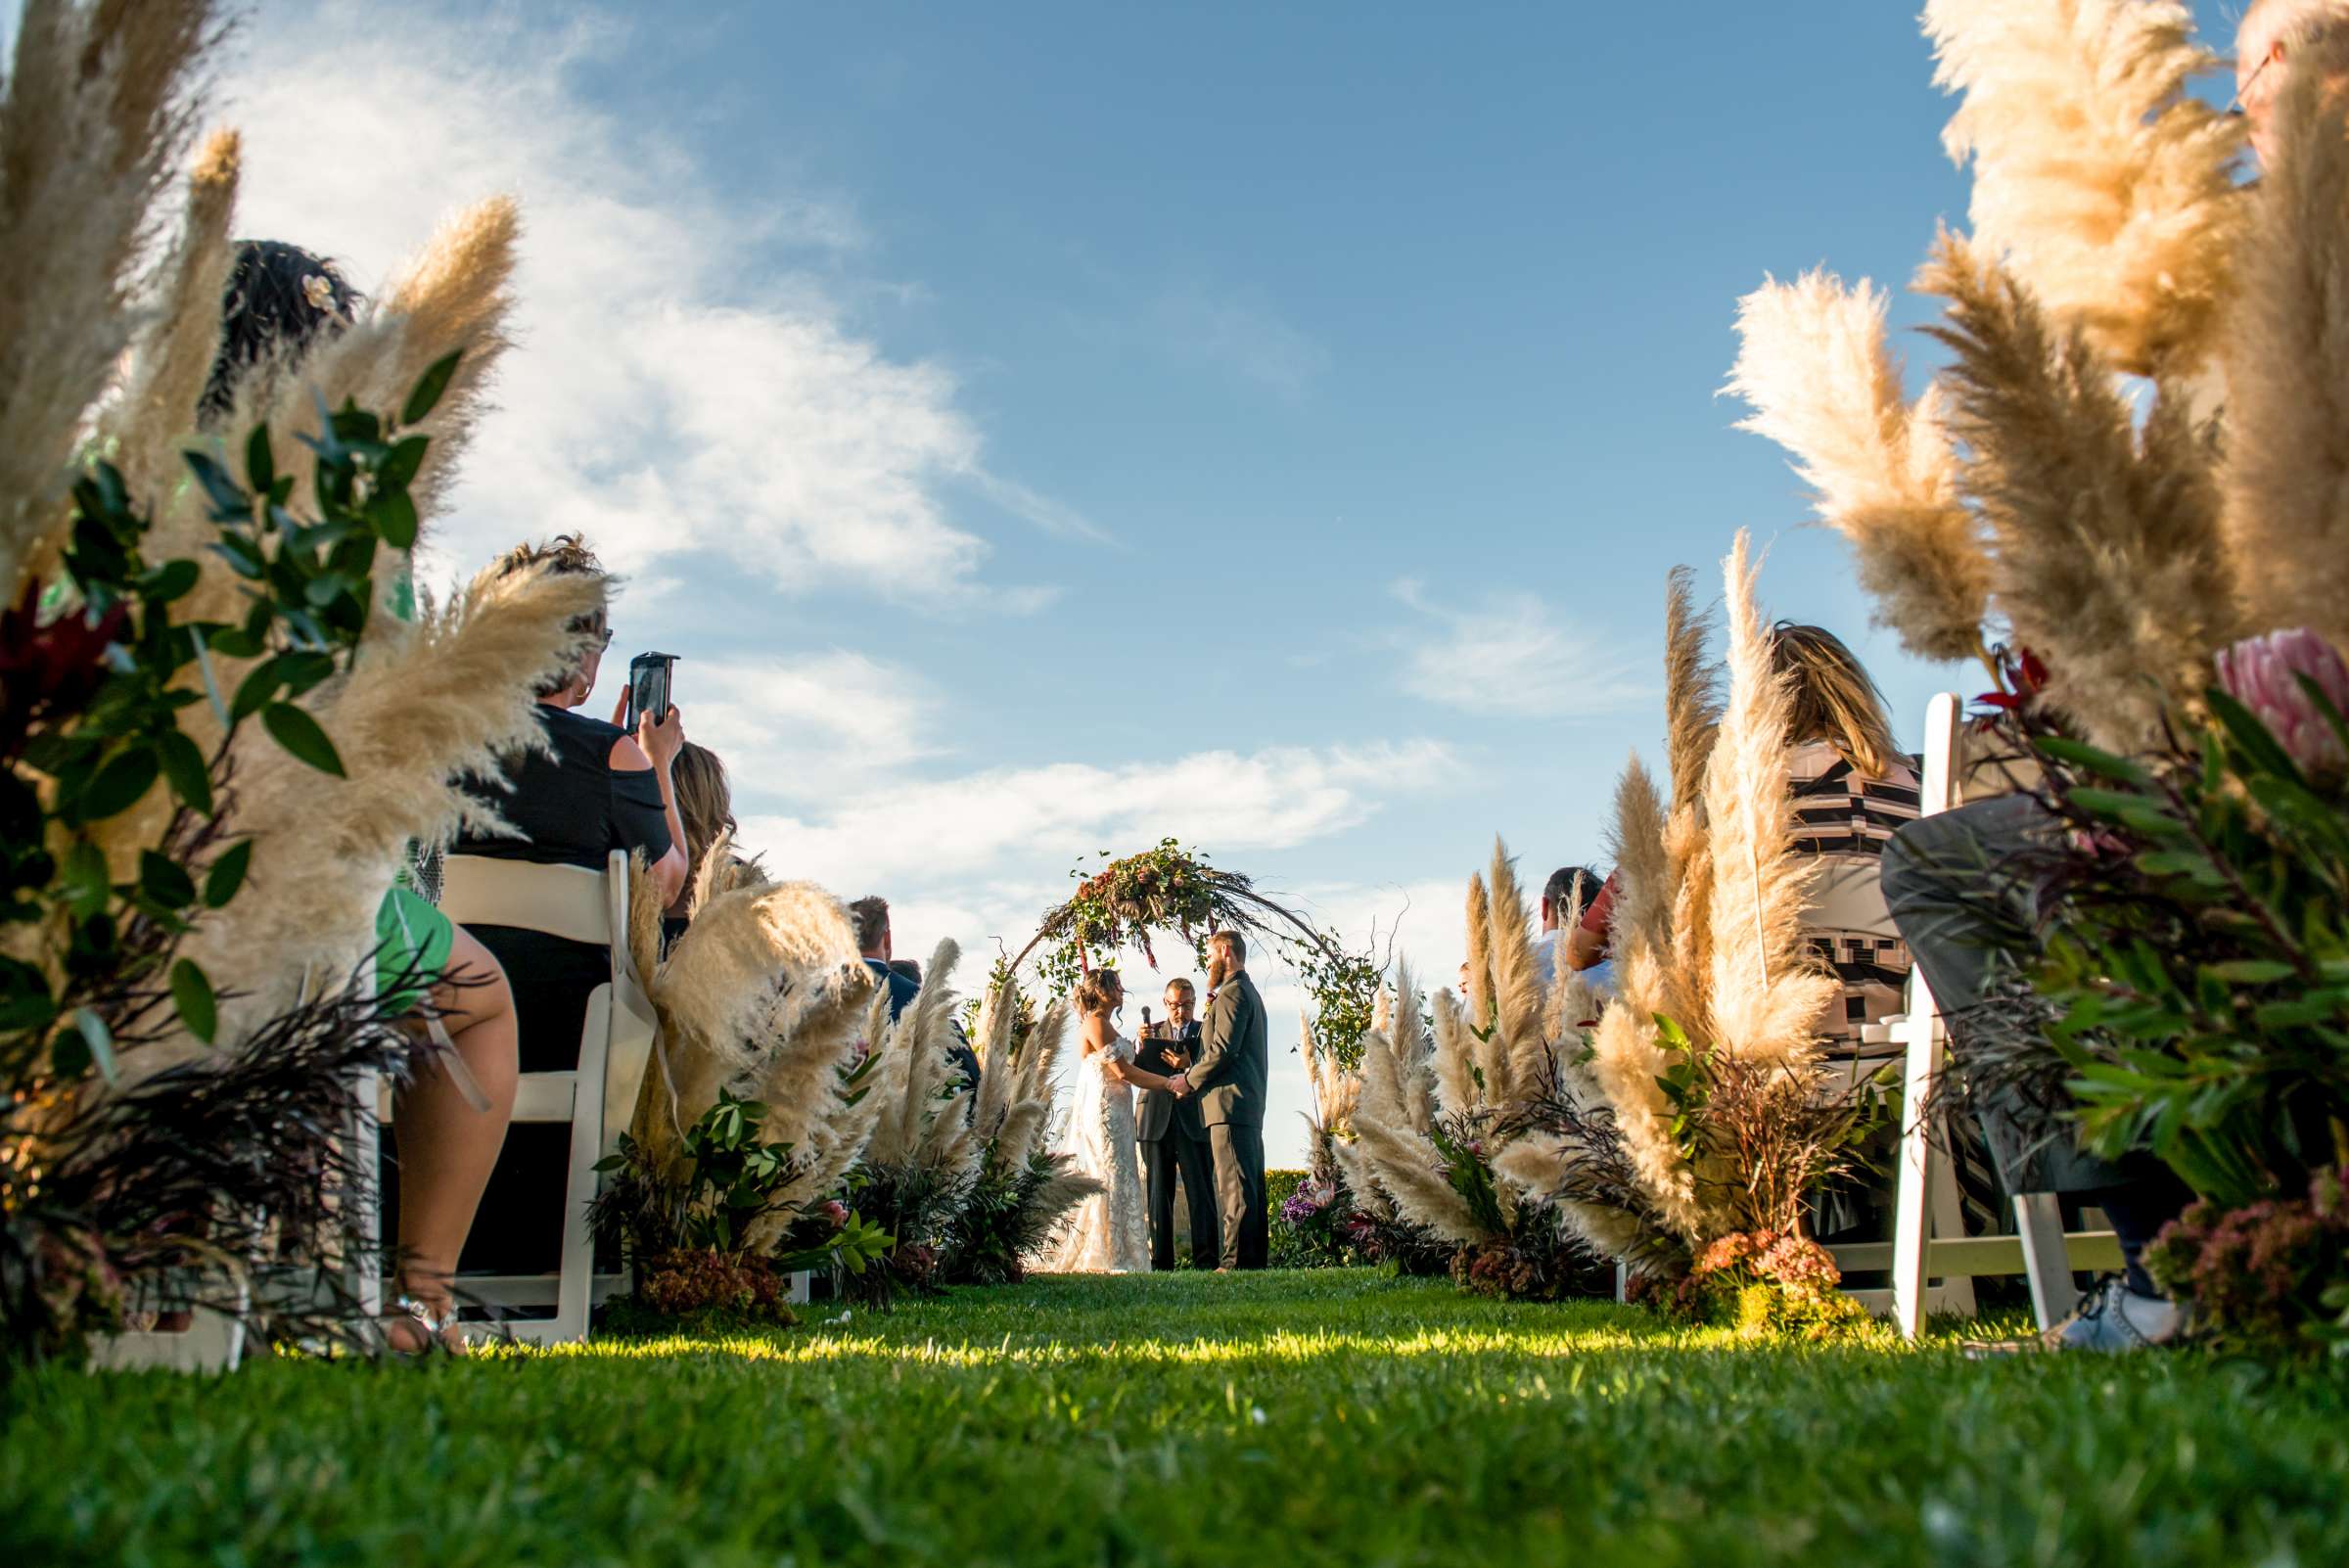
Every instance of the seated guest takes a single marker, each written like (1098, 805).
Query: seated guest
(449, 1120)
(1570, 890)
(870, 915)
(593, 790)
(1853, 791)
(706, 811)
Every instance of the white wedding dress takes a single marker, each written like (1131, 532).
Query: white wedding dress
(1109, 1232)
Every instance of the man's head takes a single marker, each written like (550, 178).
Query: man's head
(1227, 956)
(872, 915)
(2273, 33)
(567, 554)
(1183, 1003)
(1569, 888)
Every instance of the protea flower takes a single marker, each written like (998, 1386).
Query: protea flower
(2263, 675)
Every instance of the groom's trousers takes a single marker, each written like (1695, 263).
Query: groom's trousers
(1161, 1159)
(1239, 1153)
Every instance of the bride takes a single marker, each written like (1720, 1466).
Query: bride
(1109, 1232)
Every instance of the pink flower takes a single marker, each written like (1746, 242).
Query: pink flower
(835, 1212)
(2261, 673)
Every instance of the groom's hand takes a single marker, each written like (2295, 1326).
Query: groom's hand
(1178, 1085)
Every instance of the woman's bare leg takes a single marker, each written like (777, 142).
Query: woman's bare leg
(446, 1147)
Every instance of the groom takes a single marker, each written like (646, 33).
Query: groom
(1229, 1076)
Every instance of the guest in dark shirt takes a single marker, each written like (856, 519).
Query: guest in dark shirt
(593, 790)
(873, 941)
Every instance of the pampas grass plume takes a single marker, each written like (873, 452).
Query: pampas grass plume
(1815, 367)
(2107, 188)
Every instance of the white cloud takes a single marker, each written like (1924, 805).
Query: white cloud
(1239, 334)
(1513, 657)
(946, 832)
(801, 725)
(683, 382)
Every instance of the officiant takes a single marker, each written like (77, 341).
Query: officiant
(1174, 1139)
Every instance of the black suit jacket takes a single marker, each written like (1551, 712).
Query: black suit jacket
(1234, 1060)
(1163, 1115)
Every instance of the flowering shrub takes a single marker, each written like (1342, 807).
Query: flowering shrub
(1761, 1283)
(2272, 1274)
(1313, 1222)
(2267, 675)
(2195, 972)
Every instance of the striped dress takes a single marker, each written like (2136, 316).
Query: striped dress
(1845, 819)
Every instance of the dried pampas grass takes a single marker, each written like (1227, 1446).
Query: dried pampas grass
(1814, 365)
(2286, 478)
(2110, 565)
(1767, 995)
(96, 110)
(2106, 188)
(144, 427)
(424, 705)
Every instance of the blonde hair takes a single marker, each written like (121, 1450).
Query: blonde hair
(705, 803)
(1830, 697)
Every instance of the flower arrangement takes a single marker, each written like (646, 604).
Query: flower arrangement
(688, 1241)
(1167, 889)
(2269, 1275)
(1764, 1284)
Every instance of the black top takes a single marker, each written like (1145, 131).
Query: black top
(573, 809)
(1163, 1116)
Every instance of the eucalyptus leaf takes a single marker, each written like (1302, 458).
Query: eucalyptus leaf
(227, 875)
(430, 388)
(299, 733)
(192, 994)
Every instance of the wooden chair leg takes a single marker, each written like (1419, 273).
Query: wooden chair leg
(1913, 1222)
(2047, 1260)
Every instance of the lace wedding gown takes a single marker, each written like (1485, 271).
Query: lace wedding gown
(1110, 1233)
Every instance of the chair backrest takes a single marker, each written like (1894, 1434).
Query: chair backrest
(1938, 790)
(563, 900)
(579, 905)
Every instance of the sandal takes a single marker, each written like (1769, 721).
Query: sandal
(432, 1329)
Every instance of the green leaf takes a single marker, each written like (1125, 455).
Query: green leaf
(183, 764)
(172, 580)
(399, 465)
(2102, 764)
(120, 785)
(394, 518)
(2253, 971)
(260, 465)
(101, 1042)
(24, 998)
(255, 691)
(164, 881)
(299, 733)
(230, 503)
(426, 395)
(2252, 737)
(227, 875)
(192, 994)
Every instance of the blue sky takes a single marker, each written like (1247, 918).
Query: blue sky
(1046, 427)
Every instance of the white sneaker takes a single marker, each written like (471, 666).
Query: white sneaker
(2113, 1318)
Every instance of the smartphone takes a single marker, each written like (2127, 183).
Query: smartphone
(650, 680)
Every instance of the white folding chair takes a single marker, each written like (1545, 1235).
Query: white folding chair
(598, 1097)
(1935, 1274)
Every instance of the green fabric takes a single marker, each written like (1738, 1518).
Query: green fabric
(412, 937)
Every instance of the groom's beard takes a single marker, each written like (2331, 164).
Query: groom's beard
(1217, 971)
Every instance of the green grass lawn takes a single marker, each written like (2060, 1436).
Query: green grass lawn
(1276, 1420)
